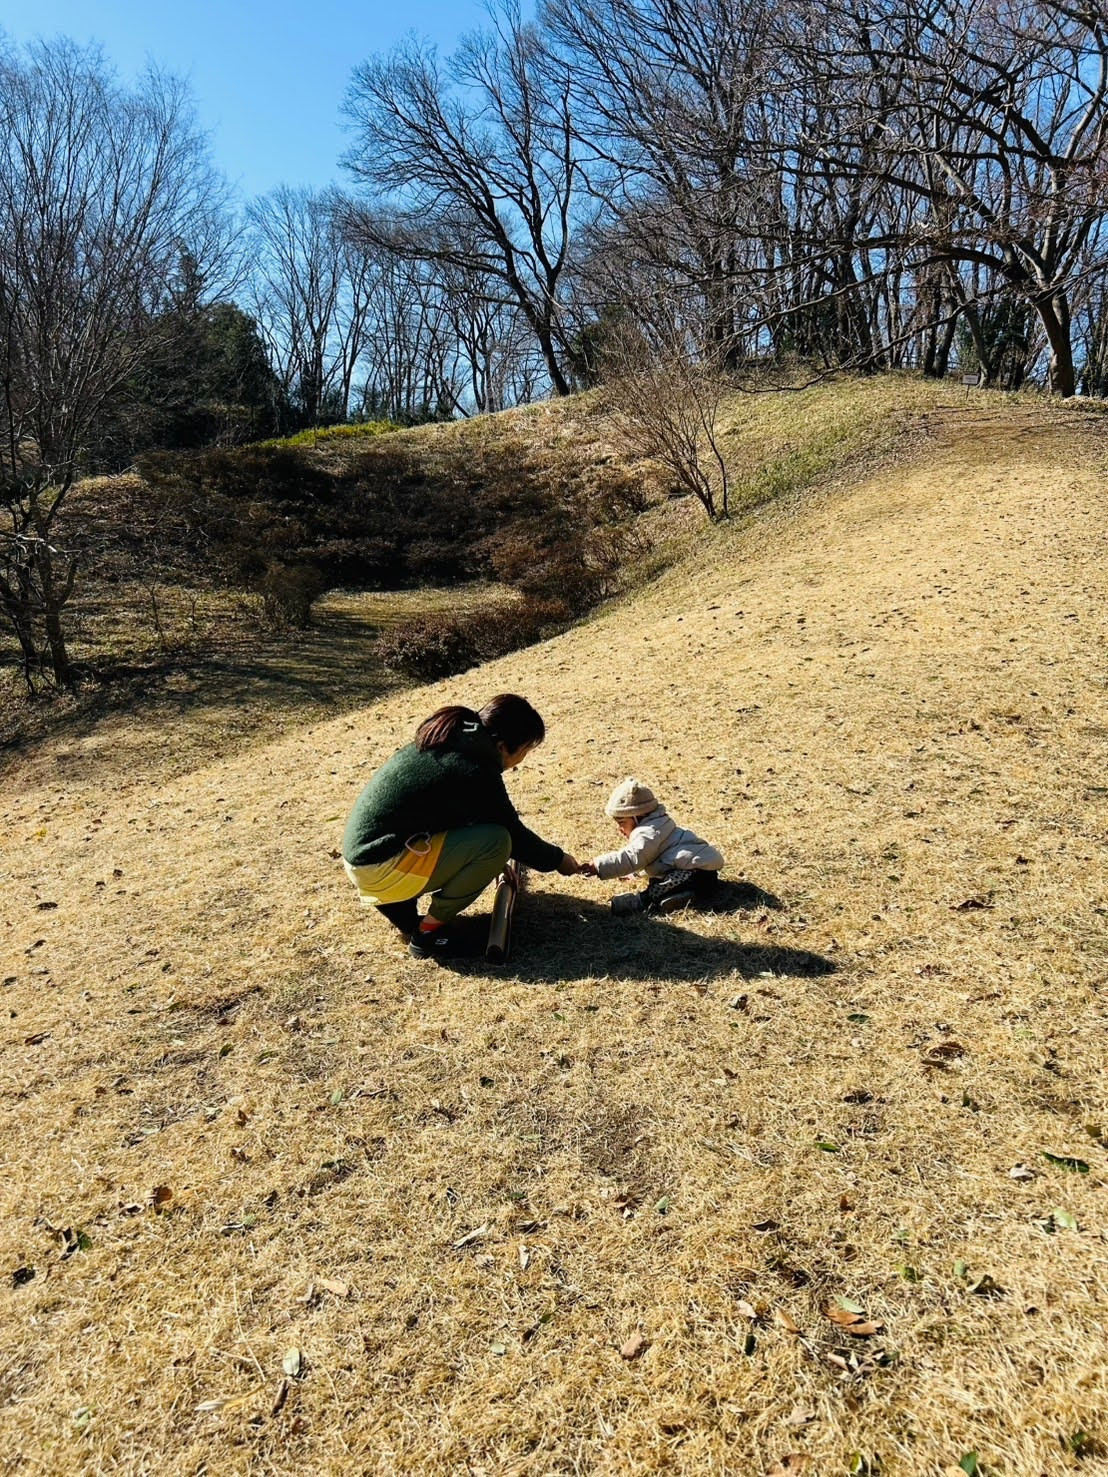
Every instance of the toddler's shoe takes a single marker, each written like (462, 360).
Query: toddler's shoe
(626, 904)
(677, 901)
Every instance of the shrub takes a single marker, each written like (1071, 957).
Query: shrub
(440, 646)
(288, 592)
(401, 511)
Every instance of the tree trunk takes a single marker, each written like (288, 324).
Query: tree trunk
(984, 361)
(942, 357)
(59, 655)
(1054, 314)
(558, 381)
(53, 600)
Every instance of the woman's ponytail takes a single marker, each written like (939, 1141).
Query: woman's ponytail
(508, 718)
(444, 726)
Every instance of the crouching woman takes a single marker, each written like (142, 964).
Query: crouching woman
(436, 818)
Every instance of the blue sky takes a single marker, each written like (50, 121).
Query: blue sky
(268, 79)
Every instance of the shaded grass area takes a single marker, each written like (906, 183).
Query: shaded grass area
(216, 681)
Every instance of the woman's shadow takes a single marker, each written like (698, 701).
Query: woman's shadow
(556, 937)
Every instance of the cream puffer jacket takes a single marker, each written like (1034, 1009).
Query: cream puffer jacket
(656, 846)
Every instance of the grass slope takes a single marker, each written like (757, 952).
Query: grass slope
(239, 1121)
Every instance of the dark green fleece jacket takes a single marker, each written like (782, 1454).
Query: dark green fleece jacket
(416, 793)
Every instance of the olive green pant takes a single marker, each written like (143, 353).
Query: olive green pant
(469, 860)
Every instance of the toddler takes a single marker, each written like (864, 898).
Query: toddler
(682, 868)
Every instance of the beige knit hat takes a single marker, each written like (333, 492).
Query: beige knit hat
(631, 798)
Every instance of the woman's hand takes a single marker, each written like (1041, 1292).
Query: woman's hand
(569, 865)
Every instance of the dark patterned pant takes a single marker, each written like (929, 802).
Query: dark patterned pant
(701, 884)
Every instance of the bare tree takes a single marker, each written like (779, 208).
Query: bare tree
(667, 97)
(313, 288)
(472, 163)
(102, 192)
(997, 131)
(664, 378)
(409, 361)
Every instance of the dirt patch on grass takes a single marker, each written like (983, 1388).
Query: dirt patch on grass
(460, 1194)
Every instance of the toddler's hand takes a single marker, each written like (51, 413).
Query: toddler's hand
(587, 869)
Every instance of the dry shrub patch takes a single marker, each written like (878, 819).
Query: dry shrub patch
(589, 1213)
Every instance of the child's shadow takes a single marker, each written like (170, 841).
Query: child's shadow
(556, 937)
(741, 897)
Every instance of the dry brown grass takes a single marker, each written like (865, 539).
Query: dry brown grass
(883, 703)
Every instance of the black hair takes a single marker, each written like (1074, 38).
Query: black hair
(511, 721)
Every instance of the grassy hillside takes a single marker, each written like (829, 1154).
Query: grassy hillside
(167, 644)
(238, 1121)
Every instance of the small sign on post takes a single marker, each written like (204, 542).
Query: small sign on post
(971, 381)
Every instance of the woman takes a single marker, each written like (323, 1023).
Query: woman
(436, 818)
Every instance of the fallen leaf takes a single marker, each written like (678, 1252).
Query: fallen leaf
(844, 1317)
(1067, 1161)
(1063, 1220)
(162, 1195)
(864, 1330)
(1021, 1172)
(334, 1286)
(524, 1257)
(766, 1225)
(794, 1462)
(984, 1285)
(37, 1039)
(849, 1306)
(291, 1363)
(969, 1464)
(470, 1237)
(943, 1052)
(74, 1241)
(827, 1145)
(635, 1346)
(745, 1309)
(22, 1275)
(280, 1398)
(498, 1348)
(970, 904)
(785, 1320)
(800, 1415)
